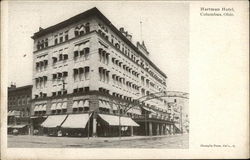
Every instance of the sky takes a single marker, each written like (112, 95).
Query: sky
(165, 31)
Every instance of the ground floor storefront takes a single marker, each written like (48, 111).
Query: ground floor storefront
(99, 125)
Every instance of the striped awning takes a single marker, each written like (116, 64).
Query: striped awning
(53, 121)
(113, 120)
(75, 104)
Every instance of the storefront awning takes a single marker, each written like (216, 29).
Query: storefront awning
(19, 126)
(113, 120)
(76, 121)
(53, 121)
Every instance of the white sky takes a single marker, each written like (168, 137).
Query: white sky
(165, 31)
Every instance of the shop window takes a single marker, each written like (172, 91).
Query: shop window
(65, 92)
(64, 110)
(74, 109)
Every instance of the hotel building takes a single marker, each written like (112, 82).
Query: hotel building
(86, 73)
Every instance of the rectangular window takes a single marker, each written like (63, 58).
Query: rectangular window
(75, 90)
(61, 39)
(65, 57)
(66, 35)
(60, 57)
(86, 50)
(86, 89)
(87, 73)
(53, 93)
(55, 39)
(46, 42)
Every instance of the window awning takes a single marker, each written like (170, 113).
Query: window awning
(64, 106)
(86, 103)
(75, 104)
(106, 104)
(40, 108)
(36, 108)
(53, 107)
(59, 106)
(53, 121)
(80, 104)
(76, 121)
(101, 105)
(113, 120)
(44, 107)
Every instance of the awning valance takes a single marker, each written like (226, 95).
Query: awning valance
(76, 121)
(53, 121)
(113, 120)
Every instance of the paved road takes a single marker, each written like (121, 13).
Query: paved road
(27, 141)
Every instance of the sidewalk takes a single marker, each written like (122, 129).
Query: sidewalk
(106, 139)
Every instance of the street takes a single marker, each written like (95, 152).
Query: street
(28, 141)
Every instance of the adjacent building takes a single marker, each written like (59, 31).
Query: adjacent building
(89, 80)
(19, 104)
(178, 103)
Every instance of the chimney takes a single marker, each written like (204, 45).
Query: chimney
(122, 29)
(40, 28)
